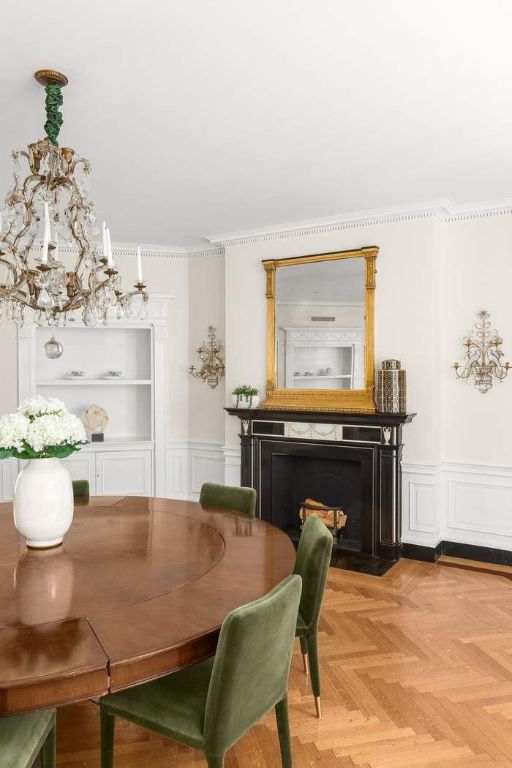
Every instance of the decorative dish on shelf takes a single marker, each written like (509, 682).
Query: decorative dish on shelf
(113, 375)
(75, 375)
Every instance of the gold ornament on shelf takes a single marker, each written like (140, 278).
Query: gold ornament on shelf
(483, 355)
(49, 208)
(210, 352)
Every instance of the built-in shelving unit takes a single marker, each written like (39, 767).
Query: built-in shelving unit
(131, 459)
(323, 358)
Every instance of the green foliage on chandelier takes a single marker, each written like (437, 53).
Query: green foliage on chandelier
(54, 118)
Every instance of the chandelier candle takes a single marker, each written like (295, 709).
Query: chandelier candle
(52, 194)
(46, 235)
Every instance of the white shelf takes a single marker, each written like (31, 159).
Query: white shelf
(83, 382)
(326, 376)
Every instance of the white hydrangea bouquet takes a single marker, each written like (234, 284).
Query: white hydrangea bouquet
(41, 428)
(42, 431)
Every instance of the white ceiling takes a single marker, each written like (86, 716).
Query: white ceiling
(216, 115)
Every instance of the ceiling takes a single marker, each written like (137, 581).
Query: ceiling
(207, 116)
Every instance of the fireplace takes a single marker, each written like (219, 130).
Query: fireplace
(347, 460)
(336, 476)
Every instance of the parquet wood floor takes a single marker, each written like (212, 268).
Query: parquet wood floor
(416, 671)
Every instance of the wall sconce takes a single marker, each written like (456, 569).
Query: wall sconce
(210, 352)
(482, 359)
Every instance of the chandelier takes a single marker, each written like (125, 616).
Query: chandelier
(482, 359)
(50, 262)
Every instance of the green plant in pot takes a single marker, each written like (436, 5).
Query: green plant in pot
(245, 397)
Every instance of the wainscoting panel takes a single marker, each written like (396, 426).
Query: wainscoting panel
(420, 504)
(469, 504)
(206, 466)
(232, 460)
(477, 502)
(190, 464)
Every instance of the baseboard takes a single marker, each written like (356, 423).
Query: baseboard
(457, 549)
(421, 552)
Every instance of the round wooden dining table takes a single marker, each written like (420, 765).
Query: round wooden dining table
(138, 589)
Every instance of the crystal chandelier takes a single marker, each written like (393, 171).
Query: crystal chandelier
(49, 207)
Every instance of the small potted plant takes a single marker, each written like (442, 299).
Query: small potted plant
(245, 397)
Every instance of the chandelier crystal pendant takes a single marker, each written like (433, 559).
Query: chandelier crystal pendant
(70, 277)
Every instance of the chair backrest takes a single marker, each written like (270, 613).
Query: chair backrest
(229, 497)
(252, 664)
(80, 488)
(312, 564)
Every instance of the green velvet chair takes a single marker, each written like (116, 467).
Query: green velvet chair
(24, 737)
(80, 489)
(211, 705)
(229, 497)
(312, 564)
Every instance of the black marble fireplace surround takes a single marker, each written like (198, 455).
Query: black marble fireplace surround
(351, 460)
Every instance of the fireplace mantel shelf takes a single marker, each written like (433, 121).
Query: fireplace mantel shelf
(324, 417)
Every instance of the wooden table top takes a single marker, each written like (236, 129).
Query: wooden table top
(139, 588)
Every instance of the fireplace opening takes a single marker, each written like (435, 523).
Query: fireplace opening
(332, 482)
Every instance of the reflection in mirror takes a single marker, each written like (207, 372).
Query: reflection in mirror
(320, 325)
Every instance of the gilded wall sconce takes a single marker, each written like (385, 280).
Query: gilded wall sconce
(482, 359)
(210, 353)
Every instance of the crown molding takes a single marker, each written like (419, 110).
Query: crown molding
(158, 251)
(444, 210)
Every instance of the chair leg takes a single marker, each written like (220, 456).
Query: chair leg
(315, 672)
(108, 724)
(49, 750)
(283, 729)
(304, 651)
(215, 761)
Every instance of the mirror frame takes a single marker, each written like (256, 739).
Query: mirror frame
(322, 399)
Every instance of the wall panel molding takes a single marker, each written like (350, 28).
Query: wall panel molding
(465, 503)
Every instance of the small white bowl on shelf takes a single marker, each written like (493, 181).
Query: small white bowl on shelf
(113, 375)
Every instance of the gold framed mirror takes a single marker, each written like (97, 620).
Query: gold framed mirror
(320, 331)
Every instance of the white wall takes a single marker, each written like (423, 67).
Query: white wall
(206, 307)
(404, 311)
(434, 273)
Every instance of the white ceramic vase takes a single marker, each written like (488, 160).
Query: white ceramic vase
(245, 402)
(43, 502)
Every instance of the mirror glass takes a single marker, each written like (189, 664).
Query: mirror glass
(320, 325)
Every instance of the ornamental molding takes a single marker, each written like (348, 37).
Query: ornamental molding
(444, 211)
(155, 251)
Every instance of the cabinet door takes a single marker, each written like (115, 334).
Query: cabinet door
(124, 473)
(82, 466)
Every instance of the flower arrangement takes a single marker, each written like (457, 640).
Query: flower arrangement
(41, 428)
(244, 392)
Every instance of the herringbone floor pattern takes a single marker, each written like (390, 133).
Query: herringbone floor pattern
(416, 671)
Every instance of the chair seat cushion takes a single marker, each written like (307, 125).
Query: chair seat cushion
(179, 698)
(21, 737)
